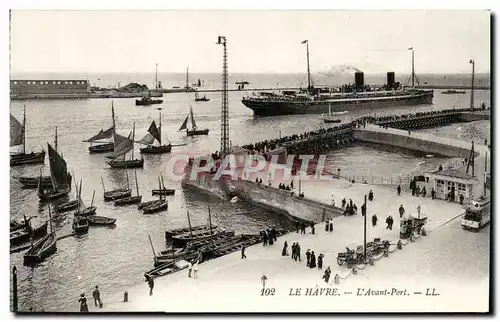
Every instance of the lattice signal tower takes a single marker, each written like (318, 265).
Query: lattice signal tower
(224, 134)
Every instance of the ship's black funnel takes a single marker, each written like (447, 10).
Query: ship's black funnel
(390, 78)
(359, 79)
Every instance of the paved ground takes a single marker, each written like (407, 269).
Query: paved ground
(453, 261)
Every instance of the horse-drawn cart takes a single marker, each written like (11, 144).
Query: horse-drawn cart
(354, 257)
(412, 224)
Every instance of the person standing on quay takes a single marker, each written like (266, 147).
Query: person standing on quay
(401, 211)
(297, 253)
(285, 249)
(331, 225)
(97, 296)
(243, 252)
(399, 190)
(320, 261)
(151, 284)
(374, 220)
(312, 261)
(294, 252)
(83, 303)
(308, 257)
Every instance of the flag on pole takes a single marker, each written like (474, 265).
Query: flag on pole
(411, 48)
(305, 41)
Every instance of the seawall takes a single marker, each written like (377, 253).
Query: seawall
(264, 196)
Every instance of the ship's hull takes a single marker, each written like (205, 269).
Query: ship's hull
(147, 103)
(277, 107)
(102, 148)
(27, 158)
(157, 149)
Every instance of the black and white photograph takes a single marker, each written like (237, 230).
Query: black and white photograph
(250, 161)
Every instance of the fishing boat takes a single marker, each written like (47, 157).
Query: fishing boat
(70, 205)
(116, 194)
(183, 239)
(231, 248)
(170, 267)
(197, 244)
(200, 99)
(80, 225)
(132, 199)
(83, 210)
(146, 204)
(18, 138)
(101, 221)
(102, 135)
(32, 182)
(124, 145)
(453, 91)
(330, 118)
(146, 101)
(23, 235)
(162, 191)
(158, 206)
(154, 133)
(42, 248)
(169, 234)
(59, 174)
(194, 129)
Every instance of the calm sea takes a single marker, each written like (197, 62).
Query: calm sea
(116, 258)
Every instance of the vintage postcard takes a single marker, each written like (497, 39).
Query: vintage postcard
(250, 161)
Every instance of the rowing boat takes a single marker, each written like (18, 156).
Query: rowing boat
(169, 234)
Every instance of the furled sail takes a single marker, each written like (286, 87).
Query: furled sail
(122, 146)
(16, 132)
(193, 123)
(101, 135)
(58, 168)
(184, 124)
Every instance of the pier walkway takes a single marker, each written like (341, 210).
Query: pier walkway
(449, 259)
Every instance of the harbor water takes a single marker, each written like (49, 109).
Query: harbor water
(116, 258)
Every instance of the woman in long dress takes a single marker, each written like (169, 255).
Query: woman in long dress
(285, 250)
(83, 303)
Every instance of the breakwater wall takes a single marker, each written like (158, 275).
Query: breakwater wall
(426, 144)
(84, 95)
(278, 200)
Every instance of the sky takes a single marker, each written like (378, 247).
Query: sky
(257, 41)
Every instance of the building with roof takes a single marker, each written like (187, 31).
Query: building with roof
(456, 180)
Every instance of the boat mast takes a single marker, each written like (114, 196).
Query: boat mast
(128, 184)
(159, 186)
(55, 143)
(308, 69)
(136, 185)
(472, 85)
(187, 77)
(24, 130)
(103, 188)
(210, 223)
(113, 116)
(154, 253)
(133, 138)
(159, 130)
(190, 229)
(485, 169)
(92, 202)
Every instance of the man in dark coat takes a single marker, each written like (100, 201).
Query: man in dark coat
(97, 296)
(243, 252)
(433, 193)
(391, 221)
(363, 210)
(264, 238)
(331, 225)
(312, 261)
(327, 222)
(343, 202)
(401, 211)
(320, 261)
(374, 220)
(387, 221)
(399, 190)
(370, 196)
(270, 237)
(297, 251)
(312, 227)
(151, 284)
(327, 274)
(294, 252)
(461, 199)
(308, 257)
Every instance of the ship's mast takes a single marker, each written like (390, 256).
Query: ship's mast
(159, 130)
(156, 77)
(308, 69)
(24, 130)
(472, 85)
(187, 77)
(412, 67)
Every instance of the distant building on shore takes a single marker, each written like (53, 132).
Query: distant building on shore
(49, 88)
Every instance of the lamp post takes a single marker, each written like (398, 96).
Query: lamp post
(364, 239)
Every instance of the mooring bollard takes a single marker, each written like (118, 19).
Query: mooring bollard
(336, 279)
(125, 296)
(371, 261)
(400, 244)
(355, 270)
(386, 253)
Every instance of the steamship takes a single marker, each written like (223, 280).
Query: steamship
(345, 98)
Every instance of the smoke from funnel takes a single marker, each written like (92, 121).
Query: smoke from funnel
(341, 69)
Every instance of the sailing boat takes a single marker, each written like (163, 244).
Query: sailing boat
(194, 131)
(330, 119)
(162, 191)
(82, 210)
(32, 182)
(154, 133)
(18, 137)
(59, 176)
(200, 99)
(43, 248)
(104, 147)
(112, 195)
(150, 207)
(132, 199)
(122, 146)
